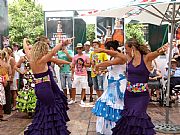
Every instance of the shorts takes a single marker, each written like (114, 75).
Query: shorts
(80, 81)
(90, 81)
(65, 79)
(98, 82)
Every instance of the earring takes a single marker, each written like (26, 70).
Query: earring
(132, 53)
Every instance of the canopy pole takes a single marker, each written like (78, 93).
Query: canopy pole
(167, 127)
(153, 14)
(169, 64)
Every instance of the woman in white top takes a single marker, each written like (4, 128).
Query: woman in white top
(109, 105)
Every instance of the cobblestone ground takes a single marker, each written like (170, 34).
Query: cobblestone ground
(82, 121)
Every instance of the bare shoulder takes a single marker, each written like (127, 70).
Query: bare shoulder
(145, 59)
(12, 59)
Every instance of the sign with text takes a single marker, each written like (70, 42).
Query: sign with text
(59, 28)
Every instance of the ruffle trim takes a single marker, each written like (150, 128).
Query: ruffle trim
(50, 120)
(136, 123)
(102, 110)
(118, 104)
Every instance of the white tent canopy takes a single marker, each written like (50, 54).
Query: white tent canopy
(56, 5)
(146, 12)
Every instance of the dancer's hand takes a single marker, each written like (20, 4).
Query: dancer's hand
(68, 41)
(65, 51)
(25, 39)
(98, 50)
(72, 78)
(96, 69)
(163, 49)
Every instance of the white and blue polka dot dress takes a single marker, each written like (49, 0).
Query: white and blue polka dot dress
(108, 107)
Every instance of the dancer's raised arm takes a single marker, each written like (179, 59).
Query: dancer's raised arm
(152, 55)
(59, 61)
(122, 58)
(46, 58)
(115, 61)
(26, 47)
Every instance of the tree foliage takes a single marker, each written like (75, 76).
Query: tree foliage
(135, 31)
(90, 34)
(25, 20)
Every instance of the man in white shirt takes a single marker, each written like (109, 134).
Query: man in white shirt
(87, 52)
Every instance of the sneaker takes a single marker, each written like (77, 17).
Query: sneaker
(71, 102)
(82, 102)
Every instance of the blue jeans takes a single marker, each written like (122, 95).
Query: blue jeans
(98, 82)
(65, 79)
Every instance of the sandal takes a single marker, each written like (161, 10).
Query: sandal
(14, 109)
(2, 118)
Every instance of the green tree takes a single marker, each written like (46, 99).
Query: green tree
(135, 31)
(25, 20)
(90, 34)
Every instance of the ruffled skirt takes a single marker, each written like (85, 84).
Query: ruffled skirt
(50, 114)
(109, 105)
(135, 120)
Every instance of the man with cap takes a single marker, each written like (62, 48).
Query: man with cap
(175, 75)
(98, 78)
(79, 74)
(87, 52)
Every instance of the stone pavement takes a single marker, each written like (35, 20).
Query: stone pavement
(15, 124)
(82, 121)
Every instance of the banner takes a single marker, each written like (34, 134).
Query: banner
(59, 28)
(108, 29)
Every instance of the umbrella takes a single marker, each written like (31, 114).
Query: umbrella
(145, 12)
(156, 12)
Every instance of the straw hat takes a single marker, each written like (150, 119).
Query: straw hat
(87, 43)
(96, 41)
(79, 45)
(173, 60)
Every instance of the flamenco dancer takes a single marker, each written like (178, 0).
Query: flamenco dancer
(51, 108)
(110, 104)
(135, 120)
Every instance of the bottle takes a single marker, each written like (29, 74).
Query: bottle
(102, 42)
(59, 27)
(118, 32)
(59, 32)
(108, 34)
